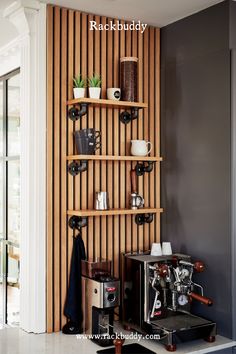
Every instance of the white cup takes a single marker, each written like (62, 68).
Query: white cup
(113, 93)
(140, 147)
(156, 249)
(166, 249)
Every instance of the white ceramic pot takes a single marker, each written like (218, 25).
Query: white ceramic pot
(94, 92)
(140, 147)
(79, 92)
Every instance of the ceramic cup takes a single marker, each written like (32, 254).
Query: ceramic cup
(140, 147)
(166, 249)
(113, 93)
(156, 249)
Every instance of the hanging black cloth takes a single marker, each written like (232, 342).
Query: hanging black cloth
(73, 304)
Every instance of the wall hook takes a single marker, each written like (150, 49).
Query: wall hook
(143, 167)
(141, 219)
(75, 113)
(74, 168)
(77, 222)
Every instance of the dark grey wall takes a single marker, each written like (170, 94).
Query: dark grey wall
(196, 144)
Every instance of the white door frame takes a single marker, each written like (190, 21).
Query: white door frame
(29, 17)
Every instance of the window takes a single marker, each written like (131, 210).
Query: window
(10, 198)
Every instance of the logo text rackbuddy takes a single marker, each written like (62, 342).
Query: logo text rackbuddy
(118, 26)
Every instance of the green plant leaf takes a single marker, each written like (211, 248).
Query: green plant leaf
(94, 81)
(78, 81)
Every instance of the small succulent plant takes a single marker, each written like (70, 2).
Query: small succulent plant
(79, 82)
(94, 81)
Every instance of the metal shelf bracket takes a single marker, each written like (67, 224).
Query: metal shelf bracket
(77, 222)
(126, 117)
(143, 167)
(141, 219)
(74, 168)
(76, 113)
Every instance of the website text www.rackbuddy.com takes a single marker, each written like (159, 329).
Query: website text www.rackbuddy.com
(133, 336)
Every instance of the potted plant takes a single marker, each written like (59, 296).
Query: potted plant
(79, 86)
(94, 83)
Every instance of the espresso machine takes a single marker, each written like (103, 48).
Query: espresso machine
(100, 296)
(157, 293)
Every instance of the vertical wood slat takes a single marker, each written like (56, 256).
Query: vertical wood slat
(146, 127)
(104, 135)
(57, 172)
(63, 163)
(110, 142)
(50, 169)
(116, 145)
(97, 127)
(70, 125)
(73, 49)
(84, 124)
(90, 190)
(140, 123)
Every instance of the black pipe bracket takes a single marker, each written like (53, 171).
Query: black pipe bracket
(142, 219)
(75, 113)
(74, 168)
(126, 117)
(77, 222)
(143, 167)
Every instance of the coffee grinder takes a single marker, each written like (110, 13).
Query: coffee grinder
(101, 294)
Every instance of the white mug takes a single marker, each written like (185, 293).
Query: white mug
(140, 147)
(113, 93)
(166, 249)
(156, 249)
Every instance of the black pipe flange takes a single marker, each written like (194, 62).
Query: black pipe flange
(75, 113)
(143, 167)
(125, 117)
(141, 219)
(74, 168)
(77, 222)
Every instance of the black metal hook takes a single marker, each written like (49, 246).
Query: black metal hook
(75, 113)
(74, 168)
(143, 167)
(141, 219)
(77, 222)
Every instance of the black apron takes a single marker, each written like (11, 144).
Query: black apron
(73, 304)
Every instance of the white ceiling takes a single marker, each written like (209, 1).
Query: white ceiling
(154, 12)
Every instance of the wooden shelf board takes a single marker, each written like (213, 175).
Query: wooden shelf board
(103, 102)
(114, 158)
(113, 212)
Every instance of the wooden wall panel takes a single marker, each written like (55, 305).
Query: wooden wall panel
(72, 49)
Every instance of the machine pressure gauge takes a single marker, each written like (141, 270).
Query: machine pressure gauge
(182, 300)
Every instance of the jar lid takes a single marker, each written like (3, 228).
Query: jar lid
(128, 59)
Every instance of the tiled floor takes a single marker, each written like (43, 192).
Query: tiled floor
(13, 295)
(15, 341)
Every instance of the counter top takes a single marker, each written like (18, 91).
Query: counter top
(16, 341)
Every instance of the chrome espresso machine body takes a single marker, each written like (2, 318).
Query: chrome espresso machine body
(157, 293)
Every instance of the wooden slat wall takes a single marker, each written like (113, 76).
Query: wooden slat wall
(71, 49)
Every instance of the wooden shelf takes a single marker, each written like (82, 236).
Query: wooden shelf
(113, 212)
(107, 103)
(113, 158)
